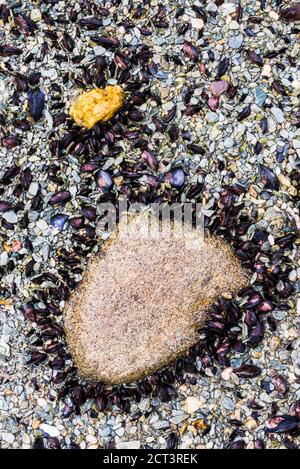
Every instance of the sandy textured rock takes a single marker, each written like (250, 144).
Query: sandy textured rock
(142, 300)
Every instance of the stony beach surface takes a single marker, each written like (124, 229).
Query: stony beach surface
(245, 133)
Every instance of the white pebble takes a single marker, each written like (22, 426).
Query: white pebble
(192, 404)
(10, 217)
(49, 429)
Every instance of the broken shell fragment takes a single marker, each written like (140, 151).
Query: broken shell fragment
(97, 105)
(145, 296)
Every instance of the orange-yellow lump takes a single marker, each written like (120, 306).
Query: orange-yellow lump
(97, 105)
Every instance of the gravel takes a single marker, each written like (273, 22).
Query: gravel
(233, 409)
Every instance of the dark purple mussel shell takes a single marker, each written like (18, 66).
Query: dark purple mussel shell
(268, 177)
(110, 43)
(150, 159)
(291, 13)
(4, 206)
(60, 197)
(255, 58)
(8, 51)
(36, 103)
(25, 24)
(281, 424)
(248, 371)
(78, 395)
(190, 51)
(11, 142)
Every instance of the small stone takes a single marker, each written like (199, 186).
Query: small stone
(228, 142)
(277, 114)
(144, 404)
(3, 258)
(33, 188)
(226, 373)
(105, 432)
(219, 87)
(228, 404)
(233, 25)
(235, 42)
(178, 418)
(212, 117)
(192, 404)
(213, 103)
(296, 144)
(26, 439)
(16, 246)
(296, 85)
(284, 180)
(7, 437)
(197, 23)
(10, 217)
(134, 444)
(266, 71)
(120, 431)
(251, 423)
(298, 306)
(36, 15)
(274, 343)
(227, 9)
(260, 96)
(49, 429)
(36, 424)
(273, 15)
(293, 276)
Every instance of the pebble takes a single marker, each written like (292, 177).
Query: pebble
(226, 373)
(3, 258)
(178, 418)
(144, 404)
(228, 142)
(266, 70)
(228, 404)
(296, 85)
(219, 87)
(10, 217)
(8, 437)
(192, 404)
(49, 429)
(36, 15)
(284, 180)
(228, 8)
(197, 23)
(33, 188)
(277, 114)
(235, 42)
(212, 117)
(260, 96)
(134, 444)
(251, 423)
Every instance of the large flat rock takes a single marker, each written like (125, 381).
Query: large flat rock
(143, 299)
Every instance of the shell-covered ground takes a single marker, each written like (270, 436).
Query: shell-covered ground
(174, 139)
